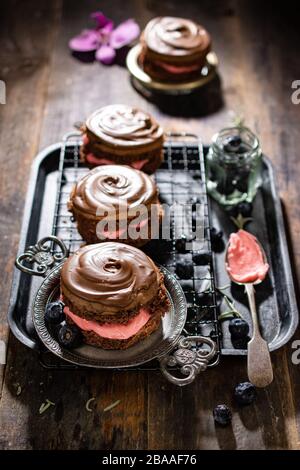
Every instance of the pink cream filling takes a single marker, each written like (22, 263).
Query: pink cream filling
(178, 69)
(112, 330)
(245, 259)
(93, 160)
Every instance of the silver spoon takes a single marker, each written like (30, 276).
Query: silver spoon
(260, 371)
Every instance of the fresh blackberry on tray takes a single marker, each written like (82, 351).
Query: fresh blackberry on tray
(245, 393)
(215, 234)
(54, 312)
(69, 336)
(216, 239)
(233, 144)
(222, 415)
(184, 269)
(238, 328)
(202, 258)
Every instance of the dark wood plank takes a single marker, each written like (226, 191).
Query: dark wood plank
(261, 426)
(27, 36)
(69, 425)
(257, 66)
(250, 51)
(124, 426)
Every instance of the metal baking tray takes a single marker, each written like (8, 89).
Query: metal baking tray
(276, 297)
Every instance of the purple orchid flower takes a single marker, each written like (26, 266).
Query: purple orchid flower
(104, 40)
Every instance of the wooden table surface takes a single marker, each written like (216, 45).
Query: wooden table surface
(47, 91)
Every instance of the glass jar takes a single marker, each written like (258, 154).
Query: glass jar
(234, 166)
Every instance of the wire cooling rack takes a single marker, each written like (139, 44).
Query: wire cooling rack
(181, 181)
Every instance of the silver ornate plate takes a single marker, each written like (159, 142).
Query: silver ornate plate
(157, 344)
(166, 344)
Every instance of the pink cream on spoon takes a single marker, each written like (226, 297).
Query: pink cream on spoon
(245, 260)
(246, 265)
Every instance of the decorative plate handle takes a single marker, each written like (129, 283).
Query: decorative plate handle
(40, 253)
(189, 361)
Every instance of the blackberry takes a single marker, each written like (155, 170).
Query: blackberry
(222, 415)
(55, 312)
(245, 393)
(69, 336)
(215, 235)
(184, 269)
(233, 144)
(238, 328)
(202, 258)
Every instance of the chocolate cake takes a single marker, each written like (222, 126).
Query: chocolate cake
(114, 293)
(116, 202)
(174, 49)
(124, 135)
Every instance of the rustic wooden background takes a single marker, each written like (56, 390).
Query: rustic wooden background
(47, 91)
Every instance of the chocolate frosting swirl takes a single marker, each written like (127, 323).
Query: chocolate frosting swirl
(175, 36)
(112, 274)
(113, 186)
(123, 125)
